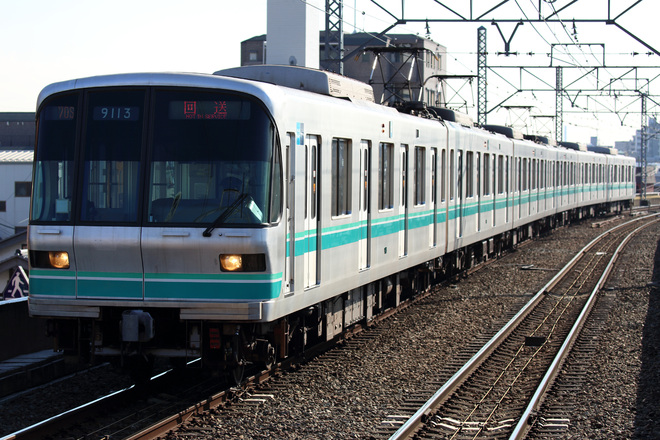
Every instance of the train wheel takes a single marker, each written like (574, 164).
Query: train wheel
(239, 360)
(237, 373)
(270, 357)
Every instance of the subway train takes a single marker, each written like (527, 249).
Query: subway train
(240, 216)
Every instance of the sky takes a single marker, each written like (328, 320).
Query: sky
(45, 41)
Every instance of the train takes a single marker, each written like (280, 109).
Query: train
(241, 216)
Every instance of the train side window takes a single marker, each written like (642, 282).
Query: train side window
(507, 177)
(478, 170)
(469, 174)
(500, 174)
(452, 174)
(420, 175)
(486, 174)
(434, 171)
(443, 175)
(573, 174)
(493, 175)
(386, 177)
(314, 177)
(593, 173)
(341, 177)
(461, 174)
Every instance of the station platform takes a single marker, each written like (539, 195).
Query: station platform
(29, 370)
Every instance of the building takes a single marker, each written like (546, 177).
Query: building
(253, 51)
(406, 70)
(13, 254)
(15, 190)
(17, 131)
(634, 147)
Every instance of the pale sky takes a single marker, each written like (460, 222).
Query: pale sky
(45, 41)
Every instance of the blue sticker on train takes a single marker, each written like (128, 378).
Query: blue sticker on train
(300, 133)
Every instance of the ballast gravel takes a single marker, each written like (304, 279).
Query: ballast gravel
(347, 393)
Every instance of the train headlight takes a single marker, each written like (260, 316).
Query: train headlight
(231, 262)
(59, 260)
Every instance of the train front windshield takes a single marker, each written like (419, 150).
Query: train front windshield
(155, 157)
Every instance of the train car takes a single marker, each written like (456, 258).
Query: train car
(244, 215)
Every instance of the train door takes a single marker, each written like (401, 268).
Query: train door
(446, 195)
(533, 189)
(403, 201)
(478, 193)
(507, 186)
(364, 209)
(494, 189)
(459, 193)
(311, 253)
(519, 175)
(433, 227)
(289, 267)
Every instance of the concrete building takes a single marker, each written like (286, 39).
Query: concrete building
(407, 64)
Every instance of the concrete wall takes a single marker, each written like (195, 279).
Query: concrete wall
(21, 334)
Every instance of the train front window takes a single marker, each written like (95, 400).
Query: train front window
(54, 169)
(211, 159)
(112, 148)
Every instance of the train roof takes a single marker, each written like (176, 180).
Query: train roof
(540, 139)
(453, 116)
(577, 146)
(142, 79)
(509, 132)
(303, 78)
(604, 150)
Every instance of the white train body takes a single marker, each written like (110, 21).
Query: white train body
(333, 205)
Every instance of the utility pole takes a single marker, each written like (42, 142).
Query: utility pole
(482, 98)
(559, 104)
(334, 36)
(643, 147)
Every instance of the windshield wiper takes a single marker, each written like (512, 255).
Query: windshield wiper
(225, 214)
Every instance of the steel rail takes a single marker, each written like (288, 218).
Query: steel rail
(416, 420)
(43, 428)
(526, 421)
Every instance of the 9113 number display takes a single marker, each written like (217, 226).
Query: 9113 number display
(116, 113)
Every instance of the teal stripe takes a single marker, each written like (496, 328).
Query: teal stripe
(110, 288)
(52, 283)
(213, 286)
(237, 276)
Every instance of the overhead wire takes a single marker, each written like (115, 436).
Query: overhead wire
(567, 57)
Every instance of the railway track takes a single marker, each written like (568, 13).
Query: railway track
(498, 392)
(242, 401)
(169, 400)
